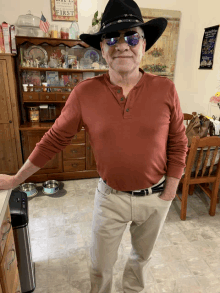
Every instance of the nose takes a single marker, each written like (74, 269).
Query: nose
(121, 44)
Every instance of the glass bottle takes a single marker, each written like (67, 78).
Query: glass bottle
(74, 30)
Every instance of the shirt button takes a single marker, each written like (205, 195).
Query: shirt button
(122, 99)
(127, 110)
(118, 91)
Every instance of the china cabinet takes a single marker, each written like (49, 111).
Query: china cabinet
(50, 87)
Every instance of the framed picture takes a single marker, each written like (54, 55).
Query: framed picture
(52, 78)
(65, 80)
(160, 59)
(208, 47)
(64, 10)
(31, 77)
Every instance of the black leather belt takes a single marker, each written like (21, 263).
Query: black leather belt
(155, 189)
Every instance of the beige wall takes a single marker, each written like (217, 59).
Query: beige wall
(11, 9)
(195, 87)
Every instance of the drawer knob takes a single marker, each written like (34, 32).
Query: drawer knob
(47, 97)
(74, 151)
(30, 97)
(13, 250)
(64, 97)
(74, 165)
(4, 234)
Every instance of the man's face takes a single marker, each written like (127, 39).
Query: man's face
(121, 57)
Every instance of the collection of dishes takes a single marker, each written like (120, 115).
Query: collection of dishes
(37, 57)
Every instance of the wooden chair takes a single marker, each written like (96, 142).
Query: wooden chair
(206, 171)
(188, 117)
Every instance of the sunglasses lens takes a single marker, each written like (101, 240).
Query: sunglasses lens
(132, 39)
(112, 38)
(111, 42)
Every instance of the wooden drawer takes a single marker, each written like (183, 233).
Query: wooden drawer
(74, 151)
(30, 96)
(5, 229)
(62, 97)
(17, 285)
(80, 137)
(74, 165)
(48, 97)
(9, 264)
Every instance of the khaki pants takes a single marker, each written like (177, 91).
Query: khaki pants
(111, 214)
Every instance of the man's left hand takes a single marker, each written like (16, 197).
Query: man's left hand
(167, 197)
(170, 189)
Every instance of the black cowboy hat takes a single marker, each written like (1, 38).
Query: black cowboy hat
(123, 14)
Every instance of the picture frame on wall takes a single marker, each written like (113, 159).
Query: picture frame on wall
(160, 59)
(64, 10)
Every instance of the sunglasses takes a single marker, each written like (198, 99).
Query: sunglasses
(131, 38)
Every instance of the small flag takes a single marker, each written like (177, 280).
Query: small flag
(44, 24)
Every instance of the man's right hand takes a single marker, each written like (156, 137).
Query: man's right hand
(7, 181)
(12, 181)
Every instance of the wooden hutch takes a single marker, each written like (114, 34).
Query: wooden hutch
(76, 160)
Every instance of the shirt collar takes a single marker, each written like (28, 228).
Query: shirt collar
(107, 80)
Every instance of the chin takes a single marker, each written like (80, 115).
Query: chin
(125, 66)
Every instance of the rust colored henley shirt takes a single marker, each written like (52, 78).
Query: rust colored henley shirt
(135, 141)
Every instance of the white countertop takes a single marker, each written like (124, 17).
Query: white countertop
(4, 199)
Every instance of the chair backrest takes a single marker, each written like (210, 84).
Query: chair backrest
(203, 160)
(188, 117)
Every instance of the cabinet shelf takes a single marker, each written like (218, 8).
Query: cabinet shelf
(36, 126)
(61, 69)
(42, 102)
(20, 40)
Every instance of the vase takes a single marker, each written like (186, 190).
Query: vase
(53, 63)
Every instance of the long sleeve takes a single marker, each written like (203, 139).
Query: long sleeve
(60, 134)
(177, 140)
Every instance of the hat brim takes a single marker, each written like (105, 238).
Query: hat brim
(153, 29)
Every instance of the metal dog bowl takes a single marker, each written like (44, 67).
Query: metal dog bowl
(29, 189)
(50, 187)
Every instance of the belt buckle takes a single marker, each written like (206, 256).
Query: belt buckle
(145, 191)
(133, 191)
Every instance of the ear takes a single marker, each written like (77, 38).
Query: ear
(144, 46)
(102, 49)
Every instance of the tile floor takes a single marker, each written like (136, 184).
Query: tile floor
(186, 258)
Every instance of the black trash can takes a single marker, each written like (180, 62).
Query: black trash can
(18, 204)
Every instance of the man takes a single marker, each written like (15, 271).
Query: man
(136, 130)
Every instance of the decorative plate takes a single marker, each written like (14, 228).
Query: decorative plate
(93, 55)
(37, 52)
